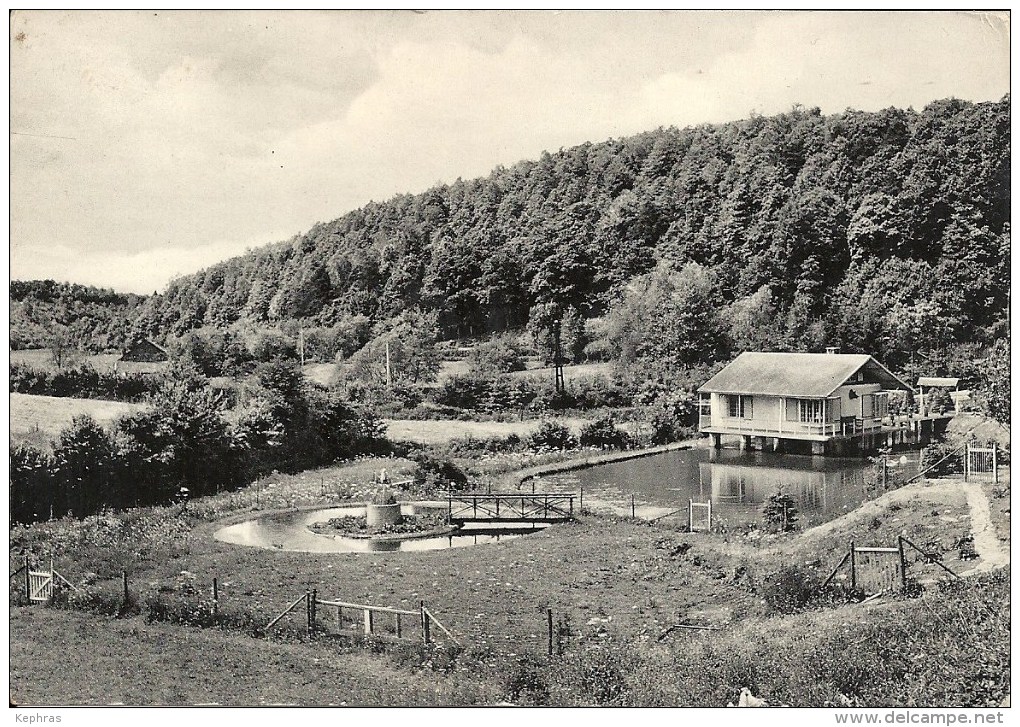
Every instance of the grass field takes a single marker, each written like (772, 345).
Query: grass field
(40, 358)
(439, 432)
(38, 418)
(63, 658)
(613, 584)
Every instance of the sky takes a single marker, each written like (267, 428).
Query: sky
(146, 145)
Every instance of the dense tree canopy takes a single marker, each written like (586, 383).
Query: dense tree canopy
(885, 232)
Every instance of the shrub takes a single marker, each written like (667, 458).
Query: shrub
(603, 433)
(790, 589)
(498, 356)
(526, 682)
(552, 435)
(780, 513)
(433, 473)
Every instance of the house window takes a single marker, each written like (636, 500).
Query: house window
(741, 406)
(812, 411)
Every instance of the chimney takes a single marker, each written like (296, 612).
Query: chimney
(832, 349)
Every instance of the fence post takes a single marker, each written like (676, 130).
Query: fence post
(339, 620)
(28, 581)
(550, 620)
(633, 510)
(966, 463)
(903, 563)
(995, 463)
(398, 626)
(580, 505)
(368, 622)
(853, 566)
(126, 594)
(215, 598)
(425, 635)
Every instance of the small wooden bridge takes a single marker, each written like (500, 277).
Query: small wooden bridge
(540, 507)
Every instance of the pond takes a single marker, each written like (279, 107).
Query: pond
(737, 483)
(289, 531)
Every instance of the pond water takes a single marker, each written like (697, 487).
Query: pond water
(737, 483)
(289, 531)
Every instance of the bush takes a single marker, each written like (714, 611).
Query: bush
(598, 392)
(433, 473)
(780, 513)
(603, 433)
(526, 682)
(552, 435)
(790, 589)
(498, 356)
(549, 399)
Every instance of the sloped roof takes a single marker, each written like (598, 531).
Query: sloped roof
(938, 381)
(807, 375)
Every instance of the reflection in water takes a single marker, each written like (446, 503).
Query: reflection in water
(736, 482)
(289, 531)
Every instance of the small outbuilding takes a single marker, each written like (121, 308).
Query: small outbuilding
(145, 351)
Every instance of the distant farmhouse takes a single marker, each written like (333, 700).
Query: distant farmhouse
(145, 351)
(142, 357)
(830, 402)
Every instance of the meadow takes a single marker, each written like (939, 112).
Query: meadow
(37, 419)
(615, 586)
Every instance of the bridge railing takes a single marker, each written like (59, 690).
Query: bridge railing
(534, 506)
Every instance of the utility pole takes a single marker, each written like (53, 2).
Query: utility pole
(558, 358)
(389, 371)
(301, 345)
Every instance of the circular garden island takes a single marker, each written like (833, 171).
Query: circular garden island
(383, 520)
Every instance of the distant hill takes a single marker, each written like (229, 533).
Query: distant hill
(840, 216)
(92, 319)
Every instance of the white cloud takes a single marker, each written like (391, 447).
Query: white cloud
(243, 128)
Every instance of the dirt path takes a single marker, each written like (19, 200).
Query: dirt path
(986, 540)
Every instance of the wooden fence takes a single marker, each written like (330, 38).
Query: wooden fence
(40, 584)
(699, 516)
(376, 621)
(876, 570)
(981, 463)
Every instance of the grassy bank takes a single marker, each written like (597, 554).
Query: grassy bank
(61, 658)
(614, 585)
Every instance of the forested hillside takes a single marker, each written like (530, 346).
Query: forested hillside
(47, 314)
(883, 232)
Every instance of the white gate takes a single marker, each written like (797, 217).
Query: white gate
(699, 516)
